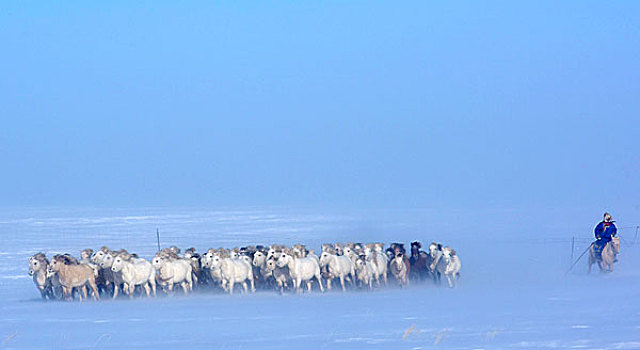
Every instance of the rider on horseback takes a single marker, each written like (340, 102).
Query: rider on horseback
(604, 231)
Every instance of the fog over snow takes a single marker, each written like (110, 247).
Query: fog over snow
(513, 291)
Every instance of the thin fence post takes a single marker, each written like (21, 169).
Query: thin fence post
(158, 237)
(573, 245)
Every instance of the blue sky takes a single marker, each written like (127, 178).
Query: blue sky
(360, 104)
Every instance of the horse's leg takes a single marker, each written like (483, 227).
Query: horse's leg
(230, 284)
(245, 287)
(189, 282)
(328, 283)
(309, 286)
(194, 278)
(299, 284)
(600, 265)
(115, 290)
(94, 288)
(450, 280)
(319, 278)
(342, 283)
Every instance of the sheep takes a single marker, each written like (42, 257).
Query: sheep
(337, 267)
(135, 272)
(300, 269)
(171, 270)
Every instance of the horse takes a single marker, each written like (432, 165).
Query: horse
(607, 257)
(418, 261)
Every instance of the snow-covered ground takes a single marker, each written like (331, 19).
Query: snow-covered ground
(513, 292)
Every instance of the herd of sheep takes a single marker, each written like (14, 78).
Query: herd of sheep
(353, 265)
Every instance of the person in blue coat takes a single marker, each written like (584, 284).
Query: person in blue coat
(604, 231)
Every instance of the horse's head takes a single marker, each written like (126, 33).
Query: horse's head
(399, 260)
(615, 244)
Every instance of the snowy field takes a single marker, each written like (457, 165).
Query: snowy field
(513, 293)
